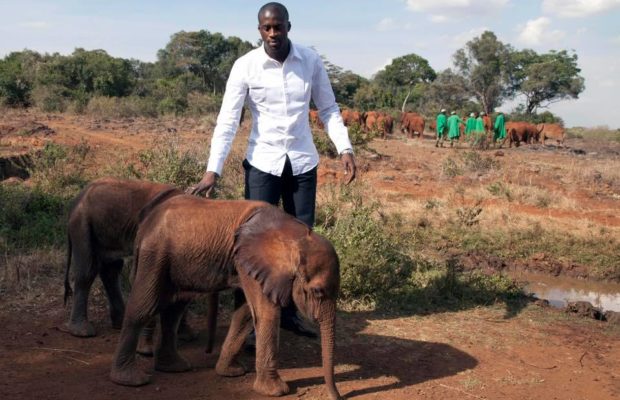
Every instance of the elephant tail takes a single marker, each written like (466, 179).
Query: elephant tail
(68, 290)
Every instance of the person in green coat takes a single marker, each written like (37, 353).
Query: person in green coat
(441, 127)
(470, 124)
(453, 127)
(479, 131)
(499, 128)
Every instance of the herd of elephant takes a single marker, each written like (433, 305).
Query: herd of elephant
(184, 245)
(412, 124)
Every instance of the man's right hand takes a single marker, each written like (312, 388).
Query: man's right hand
(206, 185)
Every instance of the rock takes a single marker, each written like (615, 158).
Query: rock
(499, 153)
(584, 309)
(613, 317)
(542, 303)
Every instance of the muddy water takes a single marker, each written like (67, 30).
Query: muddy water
(560, 290)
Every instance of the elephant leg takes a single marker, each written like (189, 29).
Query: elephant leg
(240, 327)
(124, 369)
(266, 317)
(142, 305)
(167, 358)
(86, 269)
(110, 276)
(145, 344)
(186, 333)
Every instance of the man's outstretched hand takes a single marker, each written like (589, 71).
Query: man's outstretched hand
(206, 185)
(348, 161)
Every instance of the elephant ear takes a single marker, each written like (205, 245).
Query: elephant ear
(267, 248)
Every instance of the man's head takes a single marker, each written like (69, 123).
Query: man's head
(443, 110)
(273, 25)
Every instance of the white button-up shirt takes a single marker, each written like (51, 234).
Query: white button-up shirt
(279, 98)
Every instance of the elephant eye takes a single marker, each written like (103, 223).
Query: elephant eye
(318, 292)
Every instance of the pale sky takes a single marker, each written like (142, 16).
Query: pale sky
(358, 35)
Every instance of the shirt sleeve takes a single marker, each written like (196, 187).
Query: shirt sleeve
(228, 118)
(329, 113)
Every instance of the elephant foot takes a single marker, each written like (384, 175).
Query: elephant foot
(129, 376)
(233, 369)
(145, 346)
(81, 329)
(271, 386)
(186, 333)
(172, 363)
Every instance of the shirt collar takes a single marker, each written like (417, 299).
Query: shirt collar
(293, 53)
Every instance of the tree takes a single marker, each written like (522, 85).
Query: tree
(344, 83)
(545, 79)
(209, 56)
(448, 91)
(404, 74)
(485, 65)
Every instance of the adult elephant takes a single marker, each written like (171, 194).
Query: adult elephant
(352, 117)
(189, 245)
(518, 132)
(552, 131)
(411, 124)
(102, 226)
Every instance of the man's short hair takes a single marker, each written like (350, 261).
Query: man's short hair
(274, 6)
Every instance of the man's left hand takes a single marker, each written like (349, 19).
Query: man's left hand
(348, 161)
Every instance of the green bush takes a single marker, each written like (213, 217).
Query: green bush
(122, 107)
(31, 218)
(199, 104)
(59, 169)
(166, 162)
(373, 261)
(50, 98)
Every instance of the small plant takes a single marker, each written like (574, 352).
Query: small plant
(473, 161)
(60, 169)
(451, 168)
(431, 204)
(468, 216)
(500, 190)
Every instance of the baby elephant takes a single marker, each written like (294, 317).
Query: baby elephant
(102, 226)
(188, 245)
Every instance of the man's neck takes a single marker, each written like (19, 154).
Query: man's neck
(281, 55)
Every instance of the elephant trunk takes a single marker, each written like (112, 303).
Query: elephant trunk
(327, 324)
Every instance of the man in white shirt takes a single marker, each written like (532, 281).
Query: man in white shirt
(278, 79)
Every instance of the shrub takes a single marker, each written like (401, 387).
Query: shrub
(59, 169)
(166, 162)
(372, 259)
(31, 218)
(122, 107)
(50, 98)
(199, 104)
(324, 144)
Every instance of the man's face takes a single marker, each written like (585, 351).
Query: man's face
(273, 30)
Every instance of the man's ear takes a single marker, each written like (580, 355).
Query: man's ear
(288, 26)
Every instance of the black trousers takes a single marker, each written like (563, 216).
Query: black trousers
(297, 192)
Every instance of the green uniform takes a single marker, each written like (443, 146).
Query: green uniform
(453, 127)
(479, 125)
(500, 127)
(470, 126)
(441, 124)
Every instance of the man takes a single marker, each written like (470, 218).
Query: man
(499, 129)
(441, 127)
(279, 79)
(470, 124)
(453, 128)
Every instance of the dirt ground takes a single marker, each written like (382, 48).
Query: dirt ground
(480, 353)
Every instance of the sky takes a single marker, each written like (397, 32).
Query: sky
(358, 35)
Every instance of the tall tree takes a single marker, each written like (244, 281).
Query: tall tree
(544, 79)
(344, 83)
(209, 56)
(403, 75)
(448, 91)
(484, 62)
